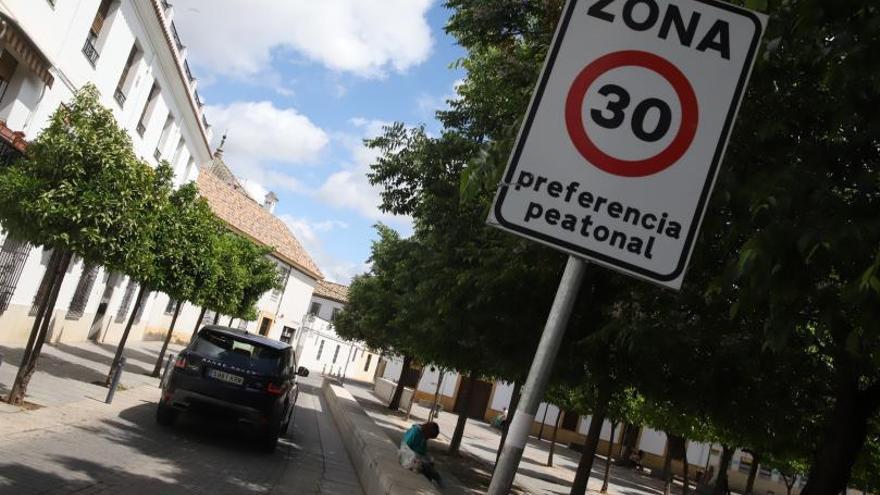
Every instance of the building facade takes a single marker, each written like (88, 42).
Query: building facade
(131, 51)
(320, 349)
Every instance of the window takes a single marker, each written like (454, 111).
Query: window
(189, 166)
(745, 463)
(315, 309)
(265, 325)
(287, 334)
(90, 48)
(83, 291)
(354, 355)
(320, 350)
(177, 152)
(126, 301)
(335, 313)
(8, 64)
(148, 109)
(336, 354)
(367, 366)
(126, 79)
(169, 308)
(239, 353)
(163, 138)
(13, 255)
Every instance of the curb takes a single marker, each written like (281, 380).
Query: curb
(372, 453)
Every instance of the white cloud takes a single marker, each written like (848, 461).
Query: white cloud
(309, 234)
(349, 188)
(364, 37)
(263, 140)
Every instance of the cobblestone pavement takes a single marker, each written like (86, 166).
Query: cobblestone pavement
(480, 441)
(88, 447)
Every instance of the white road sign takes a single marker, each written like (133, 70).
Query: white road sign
(627, 127)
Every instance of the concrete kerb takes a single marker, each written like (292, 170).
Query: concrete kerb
(372, 453)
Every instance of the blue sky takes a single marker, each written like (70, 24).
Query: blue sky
(298, 85)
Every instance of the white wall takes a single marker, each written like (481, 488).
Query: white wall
(503, 394)
(653, 442)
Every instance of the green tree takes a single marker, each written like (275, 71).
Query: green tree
(80, 190)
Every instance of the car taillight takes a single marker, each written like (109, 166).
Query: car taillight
(180, 362)
(275, 389)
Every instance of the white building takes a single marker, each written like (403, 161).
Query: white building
(130, 50)
(319, 348)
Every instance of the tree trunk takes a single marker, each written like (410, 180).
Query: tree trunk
(433, 412)
(585, 466)
(230, 321)
(198, 323)
(42, 298)
(544, 420)
(553, 440)
(511, 410)
(608, 459)
(41, 325)
(789, 484)
(842, 440)
(415, 389)
(684, 467)
(753, 473)
(720, 487)
(465, 400)
(158, 368)
(121, 346)
(398, 392)
(667, 465)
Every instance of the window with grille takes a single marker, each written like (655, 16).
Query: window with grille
(320, 350)
(336, 354)
(208, 319)
(140, 310)
(83, 291)
(367, 366)
(315, 309)
(148, 109)
(169, 308)
(13, 256)
(125, 305)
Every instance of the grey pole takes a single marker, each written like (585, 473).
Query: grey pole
(539, 374)
(115, 382)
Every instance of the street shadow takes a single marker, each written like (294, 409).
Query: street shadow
(103, 359)
(54, 366)
(144, 355)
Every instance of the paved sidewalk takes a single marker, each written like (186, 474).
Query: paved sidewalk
(481, 441)
(66, 372)
(89, 447)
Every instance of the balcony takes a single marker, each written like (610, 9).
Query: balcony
(189, 74)
(119, 96)
(176, 37)
(90, 51)
(205, 121)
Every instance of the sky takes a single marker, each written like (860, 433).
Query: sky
(297, 85)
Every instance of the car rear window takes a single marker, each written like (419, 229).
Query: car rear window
(238, 352)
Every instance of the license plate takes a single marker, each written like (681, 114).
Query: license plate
(226, 377)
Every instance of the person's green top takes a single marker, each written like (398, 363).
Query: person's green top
(415, 439)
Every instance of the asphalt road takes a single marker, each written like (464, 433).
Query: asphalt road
(121, 449)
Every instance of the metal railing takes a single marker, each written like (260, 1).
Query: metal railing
(90, 51)
(119, 96)
(176, 37)
(141, 129)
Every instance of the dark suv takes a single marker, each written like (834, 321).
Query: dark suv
(245, 376)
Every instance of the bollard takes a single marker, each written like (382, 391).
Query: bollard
(115, 381)
(166, 369)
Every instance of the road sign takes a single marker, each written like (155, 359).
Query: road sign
(621, 145)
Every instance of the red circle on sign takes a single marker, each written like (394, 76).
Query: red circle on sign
(574, 105)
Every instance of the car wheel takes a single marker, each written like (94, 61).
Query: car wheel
(165, 415)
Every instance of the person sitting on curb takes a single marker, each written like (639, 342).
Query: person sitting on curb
(414, 450)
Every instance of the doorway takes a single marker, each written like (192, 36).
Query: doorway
(479, 401)
(265, 325)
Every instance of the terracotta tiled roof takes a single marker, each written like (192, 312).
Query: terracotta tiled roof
(248, 218)
(329, 290)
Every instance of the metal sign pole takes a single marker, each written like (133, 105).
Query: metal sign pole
(539, 374)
